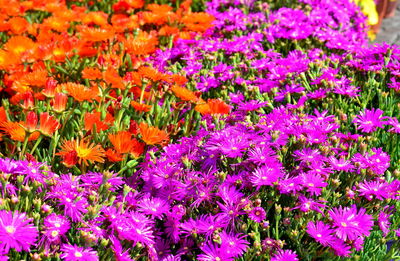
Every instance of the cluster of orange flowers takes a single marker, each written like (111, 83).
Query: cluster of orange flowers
(73, 73)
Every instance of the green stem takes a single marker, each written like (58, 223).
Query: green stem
(25, 144)
(36, 144)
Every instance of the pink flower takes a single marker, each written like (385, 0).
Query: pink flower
(75, 253)
(285, 255)
(349, 224)
(369, 120)
(321, 232)
(16, 231)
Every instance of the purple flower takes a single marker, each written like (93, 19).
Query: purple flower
(285, 255)
(350, 223)
(374, 189)
(155, 207)
(258, 214)
(16, 231)
(213, 252)
(384, 222)
(313, 183)
(56, 226)
(76, 253)
(340, 248)
(369, 120)
(135, 227)
(266, 176)
(234, 244)
(321, 232)
(119, 253)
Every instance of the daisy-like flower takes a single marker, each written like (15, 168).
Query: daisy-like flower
(369, 120)
(258, 214)
(76, 253)
(351, 223)
(285, 255)
(234, 245)
(16, 231)
(321, 232)
(155, 207)
(55, 227)
(265, 176)
(152, 135)
(84, 152)
(214, 252)
(374, 189)
(313, 183)
(384, 222)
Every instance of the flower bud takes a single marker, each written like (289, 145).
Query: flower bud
(14, 200)
(45, 208)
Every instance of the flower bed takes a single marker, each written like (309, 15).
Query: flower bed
(250, 131)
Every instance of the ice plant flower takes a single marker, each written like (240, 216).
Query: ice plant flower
(76, 253)
(48, 124)
(84, 151)
(152, 135)
(16, 231)
(350, 223)
(321, 232)
(369, 120)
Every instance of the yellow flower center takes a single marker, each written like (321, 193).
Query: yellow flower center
(83, 152)
(54, 233)
(78, 254)
(10, 229)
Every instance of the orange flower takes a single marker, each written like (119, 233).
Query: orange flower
(152, 135)
(60, 102)
(98, 18)
(184, 94)
(7, 59)
(21, 46)
(136, 4)
(122, 22)
(150, 73)
(16, 131)
(198, 22)
(168, 30)
(94, 118)
(31, 121)
(213, 107)
(113, 156)
(112, 77)
(91, 73)
(86, 152)
(140, 106)
(122, 141)
(138, 148)
(18, 25)
(79, 92)
(58, 24)
(48, 124)
(91, 34)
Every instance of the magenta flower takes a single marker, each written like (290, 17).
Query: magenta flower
(350, 223)
(384, 222)
(257, 214)
(313, 183)
(321, 232)
(214, 252)
(76, 253)
(266, 176)
(285, 255)
(369, 120)
(234, 244)
(374, 189)
(16, 231)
